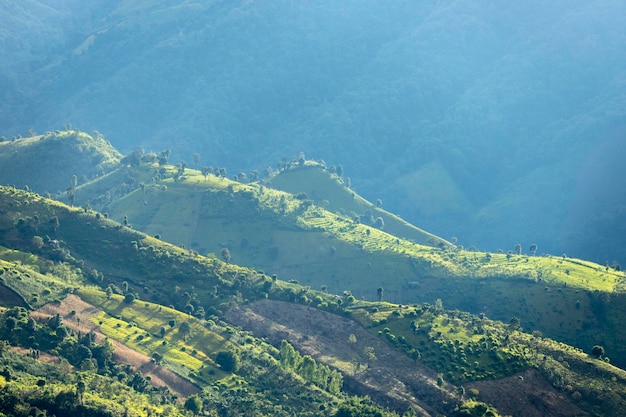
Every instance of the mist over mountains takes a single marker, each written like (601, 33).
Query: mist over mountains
(496, 123)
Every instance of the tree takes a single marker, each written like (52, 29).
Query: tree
(225, 255)
(533, 249)
(194, 404)
(517, 248)
(196, 158)
(164, 157)
(206, 171)
(129, 298)
(228, 360)
(80, 390)
(380, 292)
(597, 351)
(369, 355)
(185, 328)
(157, 357)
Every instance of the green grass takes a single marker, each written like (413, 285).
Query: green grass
(22, 273)
(329, 191)
(138, 326)
(458, 345)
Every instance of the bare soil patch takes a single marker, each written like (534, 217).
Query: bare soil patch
(79, 321)
(527, 394)
(393, 380)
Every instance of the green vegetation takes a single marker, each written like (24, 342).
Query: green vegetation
(171, 304)
(35, 162)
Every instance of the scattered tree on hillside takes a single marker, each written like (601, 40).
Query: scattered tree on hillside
(225, 255)
(379, 223)
(185, 329)
(379, 202)
(368, 351)
(228, 360)
(380, 292)
(517, 248)
(164, 157)
(533, 249)
(597, 351)
(196, 159)
(206, 171)
(194, 404)
(81, 387)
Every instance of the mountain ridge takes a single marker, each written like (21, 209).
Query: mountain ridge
(503, 98)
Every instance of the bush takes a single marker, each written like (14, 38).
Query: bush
(228, 360)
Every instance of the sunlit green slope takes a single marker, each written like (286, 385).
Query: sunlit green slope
(459, 348)
(324, 246)
(331, 191)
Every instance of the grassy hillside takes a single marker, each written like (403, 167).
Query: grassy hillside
(322, 245)
(332, 192)
(47, 163)
(330, 332)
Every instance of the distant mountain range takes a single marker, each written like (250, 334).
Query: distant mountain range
(496, 124)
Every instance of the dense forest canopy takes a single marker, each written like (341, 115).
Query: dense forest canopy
(496, 123)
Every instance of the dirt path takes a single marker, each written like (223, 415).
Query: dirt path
(123, 354)
(393, 380)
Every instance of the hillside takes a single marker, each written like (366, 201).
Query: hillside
(56, 161)
(222, 307)
(337, 246)
(497, 124)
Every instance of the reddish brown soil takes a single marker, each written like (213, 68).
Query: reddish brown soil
(123, 354)
(393, 380)
(527, 394)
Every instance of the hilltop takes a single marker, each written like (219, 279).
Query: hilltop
(56, 161)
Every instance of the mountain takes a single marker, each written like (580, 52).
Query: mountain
(497, 124)
(256, 344)
(180, 331)
(303, 224)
